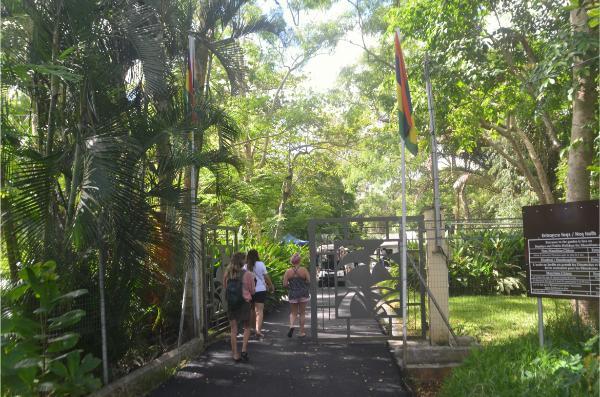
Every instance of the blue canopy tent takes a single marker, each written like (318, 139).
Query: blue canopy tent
(288, 238)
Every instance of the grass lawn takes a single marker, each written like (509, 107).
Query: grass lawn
(494, 319)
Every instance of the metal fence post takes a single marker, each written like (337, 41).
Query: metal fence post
(101, 269)
(183, 304)
(540, 321)
(202, 285)
(423, 293)
(313, 281)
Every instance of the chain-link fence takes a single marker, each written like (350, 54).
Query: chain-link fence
(141, 321)
(151, 313)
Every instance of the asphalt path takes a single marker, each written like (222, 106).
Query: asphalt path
(281, 366)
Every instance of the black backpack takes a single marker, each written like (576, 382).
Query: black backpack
(233, 293)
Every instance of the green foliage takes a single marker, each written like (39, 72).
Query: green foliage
(487, 262)
(568, 366)
(38, 355)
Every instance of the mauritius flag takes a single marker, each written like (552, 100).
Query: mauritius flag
(406, 124)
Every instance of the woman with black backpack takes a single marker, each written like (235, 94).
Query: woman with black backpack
(239, 288)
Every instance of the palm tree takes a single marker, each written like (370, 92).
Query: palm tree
(84, 179)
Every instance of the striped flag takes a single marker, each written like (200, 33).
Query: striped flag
(406, 125)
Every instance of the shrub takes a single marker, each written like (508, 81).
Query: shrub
(38, 355)
(487, 262)
(568, 366)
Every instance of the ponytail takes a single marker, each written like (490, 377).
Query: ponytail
(251, 259)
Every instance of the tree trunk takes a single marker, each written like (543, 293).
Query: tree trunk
(520, 165)
(202, 72)
(582, 133)
(54, 86)
(286, 192)
(460, 186)
(249, 154)
(54, 83)
(583, 123)
(10, 240)
(539, 167)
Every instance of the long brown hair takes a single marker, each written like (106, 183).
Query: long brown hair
(251, 259)
(235, 265)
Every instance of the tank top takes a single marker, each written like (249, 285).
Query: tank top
(298, 286)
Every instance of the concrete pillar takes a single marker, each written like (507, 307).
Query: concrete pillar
(437, 281)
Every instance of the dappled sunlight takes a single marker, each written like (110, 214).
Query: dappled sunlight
(498, 318)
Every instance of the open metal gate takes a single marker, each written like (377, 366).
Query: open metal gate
(218, 244)
(355, 278)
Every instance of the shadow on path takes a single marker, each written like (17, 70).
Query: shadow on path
(282, 366)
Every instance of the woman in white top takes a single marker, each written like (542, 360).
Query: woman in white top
(263, 281)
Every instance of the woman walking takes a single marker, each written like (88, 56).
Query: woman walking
(263, 281)
(297, 279)
(239, 288)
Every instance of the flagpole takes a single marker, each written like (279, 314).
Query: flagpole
(404, 314)
(434, 160)
(404, 109)
(195, 272)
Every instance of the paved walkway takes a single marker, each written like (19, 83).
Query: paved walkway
(289, 367)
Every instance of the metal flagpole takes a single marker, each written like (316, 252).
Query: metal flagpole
(404, 314)
(183, 303)
(195, 276)
(434, 161)
(101, 270)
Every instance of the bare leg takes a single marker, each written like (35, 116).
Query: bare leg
(293, 314)
(246, 337)
(302, 309)
(252, 315)
(233, 336)
(259, 308)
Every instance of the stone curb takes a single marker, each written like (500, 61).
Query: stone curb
(145, 379)
(426, 362)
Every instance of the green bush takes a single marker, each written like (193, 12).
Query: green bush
(487, 262)
(38, 355)
(568, 366)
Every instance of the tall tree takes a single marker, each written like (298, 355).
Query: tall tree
(585, 100)
(585, 115)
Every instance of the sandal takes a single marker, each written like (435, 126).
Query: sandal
(302, 336)
(290, 332)
(245, 356)
(237, 360)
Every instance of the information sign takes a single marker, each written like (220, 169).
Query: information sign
(562, 244)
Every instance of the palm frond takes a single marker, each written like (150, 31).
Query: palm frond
(231, 57)
(145, 33)
(30, 185)
(257, 24)
(214, 12)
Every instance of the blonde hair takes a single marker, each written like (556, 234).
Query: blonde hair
(235, 265)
